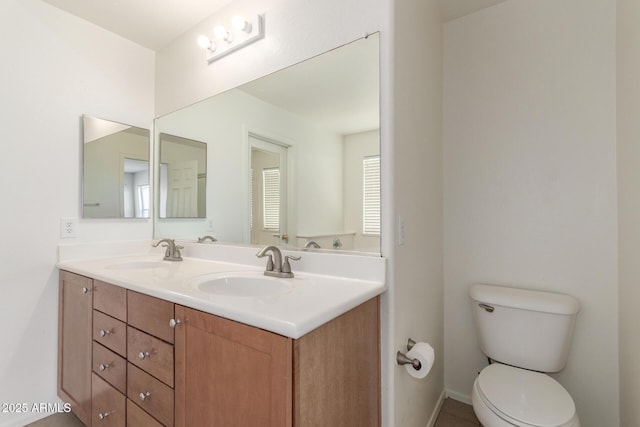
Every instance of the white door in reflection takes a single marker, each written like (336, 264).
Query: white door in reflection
(182, 194)
(268, 195)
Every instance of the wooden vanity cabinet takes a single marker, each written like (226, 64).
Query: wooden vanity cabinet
(74, 343)
(204, 370)
(232, 375)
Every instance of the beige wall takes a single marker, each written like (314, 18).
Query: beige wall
(629, 207)
(417, 201)
(530, 180)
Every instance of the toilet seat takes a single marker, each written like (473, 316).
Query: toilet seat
(525, 398)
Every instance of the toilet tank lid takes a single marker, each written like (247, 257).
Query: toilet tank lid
(545, 302)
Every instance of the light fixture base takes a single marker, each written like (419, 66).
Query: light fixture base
(240, 39)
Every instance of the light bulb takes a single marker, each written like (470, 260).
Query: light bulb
(241, 24)
(221, 33)
(205, 43)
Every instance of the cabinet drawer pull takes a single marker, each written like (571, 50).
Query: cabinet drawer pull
(104, 366)
(174, 322)
(103, 415)
(143, 355)
(144, 396)
(105, 332)
(85, 290)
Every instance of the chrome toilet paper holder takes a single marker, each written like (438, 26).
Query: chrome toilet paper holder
(402, 359)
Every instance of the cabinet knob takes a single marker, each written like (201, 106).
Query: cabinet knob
(174, 322)
(143, 355)
(104, 333)
(144, 396)
(103, 367)
(103, 415)
(85, 290)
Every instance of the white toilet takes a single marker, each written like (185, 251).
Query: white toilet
(524, 333)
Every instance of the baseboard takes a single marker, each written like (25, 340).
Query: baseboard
(436, 411)
(464, 398)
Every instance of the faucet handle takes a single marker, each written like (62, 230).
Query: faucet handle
(177, 256)
(286, 267)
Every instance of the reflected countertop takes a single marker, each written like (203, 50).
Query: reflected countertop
(311, 300)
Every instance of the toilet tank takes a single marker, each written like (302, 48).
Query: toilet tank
(524, 328)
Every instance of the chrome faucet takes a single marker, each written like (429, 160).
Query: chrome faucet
(311, 244)
(275, 265)
(205, 238)
(173, 251)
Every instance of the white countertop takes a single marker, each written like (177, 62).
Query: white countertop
(310, 301)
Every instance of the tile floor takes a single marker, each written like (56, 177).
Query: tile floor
(58, 420)
(456, 414)
(452, 414)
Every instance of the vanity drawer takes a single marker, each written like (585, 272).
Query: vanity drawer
(150, 314)
(152, 395)
(110, 299)
(108, 405)
(110, 332)
(136, 417)
(150, 354)
(110, 367)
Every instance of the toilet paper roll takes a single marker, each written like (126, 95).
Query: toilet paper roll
(425, 354)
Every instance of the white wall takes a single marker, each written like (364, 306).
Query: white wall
(295, 31)
(629, 207)
(411, 122)
(417, 199)
(530, 179)
(55, 68)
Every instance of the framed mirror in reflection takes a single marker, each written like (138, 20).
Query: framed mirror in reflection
(293, 157)
(115, 170)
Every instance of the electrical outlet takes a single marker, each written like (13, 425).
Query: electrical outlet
(401, 231)
(68, 228)
(210, 224)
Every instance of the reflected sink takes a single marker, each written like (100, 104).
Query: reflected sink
(136, 265)
(244, 285)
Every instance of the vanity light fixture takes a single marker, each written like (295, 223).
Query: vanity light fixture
(243, 32)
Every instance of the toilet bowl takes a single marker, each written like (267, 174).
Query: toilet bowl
(528, 334)
(506, 396)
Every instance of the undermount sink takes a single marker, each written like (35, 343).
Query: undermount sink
(136, 265)
(245, 284)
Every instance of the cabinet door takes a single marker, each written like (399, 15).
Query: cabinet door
(337, 371)
(229, 374)
(74, 343)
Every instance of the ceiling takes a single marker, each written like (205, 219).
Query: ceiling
(150, 23)
(155, 23)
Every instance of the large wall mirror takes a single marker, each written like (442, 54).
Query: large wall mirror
(115, 170)
(291, 158)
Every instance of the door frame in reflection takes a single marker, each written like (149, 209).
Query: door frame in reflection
(278, 152)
